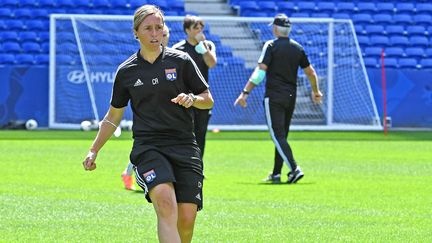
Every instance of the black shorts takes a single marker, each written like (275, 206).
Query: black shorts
(179, 164)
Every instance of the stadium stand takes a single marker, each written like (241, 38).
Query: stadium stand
(393, 25)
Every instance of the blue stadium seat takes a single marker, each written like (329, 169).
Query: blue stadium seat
(6, 13)
(394, 52)
(395, 30)
(120, 4)
(300, 15)
(9, 36)
(424, 19)
(28, 4)
(31, 47)
(345, 7)
(379, 40)
(426, 63)
(40, 14)
(68, 4)
(382, 19)
(102, 4)
(10, 3)
(45, 47)
(362, 18)
(342, 16)
(306, 7)
(268, 7)
(399, 41)
(161, 3)
(385, 7)
(416, 30)
(320, 15)
(366, 7)
(224, 51)
(419, 41)
(374, 29)
(177, 5)
(16, 25)
(390, 62)
(27, 36)
(7, 59)
(415, 52)
(370, 62)
(66, 37)
(359, 29)
(288, 7)
(405, 8)
(407, 63)
(372, 52)
(424, 8)
(326, 7)
(170, 13)
(11, 47)
(428, 52)
(3, 25)
(36, 25)
(47, 4)
(41, 59)
(363, 40)
(24, 59)
(403, 19)
(23, 13)
(245, 7)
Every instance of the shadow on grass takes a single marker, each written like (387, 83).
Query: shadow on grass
(276, 184)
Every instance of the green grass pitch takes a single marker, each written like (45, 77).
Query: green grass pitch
(358, 187)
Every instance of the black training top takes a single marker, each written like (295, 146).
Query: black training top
(283, 56)
(198, 58)
(150, 88)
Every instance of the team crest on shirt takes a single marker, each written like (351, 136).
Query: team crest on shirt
(149, 176)
(171, 74)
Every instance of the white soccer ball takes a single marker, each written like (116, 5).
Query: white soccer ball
(86, 125)
(31, 124)
(129, 125)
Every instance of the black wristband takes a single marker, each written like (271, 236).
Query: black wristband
(245, 92)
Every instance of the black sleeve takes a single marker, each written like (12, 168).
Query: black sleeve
(193, 78)
(304, 61)
(120, 95)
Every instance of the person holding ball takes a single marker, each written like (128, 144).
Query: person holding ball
(162, 84)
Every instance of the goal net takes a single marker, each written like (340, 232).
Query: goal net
(86, 50)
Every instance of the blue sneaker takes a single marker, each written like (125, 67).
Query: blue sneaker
(295, 176)
(275, 179)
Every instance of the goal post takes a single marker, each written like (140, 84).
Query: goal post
(86, 50)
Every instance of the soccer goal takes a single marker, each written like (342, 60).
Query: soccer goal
(86, 50)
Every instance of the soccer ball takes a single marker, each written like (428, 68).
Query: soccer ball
(86, 125)
(31, 124)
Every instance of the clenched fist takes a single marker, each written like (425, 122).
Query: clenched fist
(89, 161)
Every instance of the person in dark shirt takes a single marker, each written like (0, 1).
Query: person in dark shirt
(162, 84)
(126, 176)
(203, 52)
(279, 62)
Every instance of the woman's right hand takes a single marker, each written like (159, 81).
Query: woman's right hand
(89, 162)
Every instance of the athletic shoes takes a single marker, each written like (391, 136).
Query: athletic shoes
(128, 182)
(273, 178)
(295, 176)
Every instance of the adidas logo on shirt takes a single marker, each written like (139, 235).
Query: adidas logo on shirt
(198, 196)
(138, 83)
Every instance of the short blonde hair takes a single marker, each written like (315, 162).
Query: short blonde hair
(142, 12)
